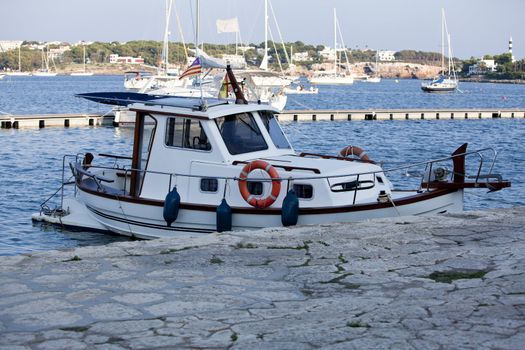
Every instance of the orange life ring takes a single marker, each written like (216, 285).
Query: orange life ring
(259, 203)
(355, 151)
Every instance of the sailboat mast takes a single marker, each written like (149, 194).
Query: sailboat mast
(84, 47)
(335, 42)
(443, 41)
(165, 48)
(19, 59)
(265, 32)
(197, 24)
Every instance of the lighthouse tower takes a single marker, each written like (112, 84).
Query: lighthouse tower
(510, 50)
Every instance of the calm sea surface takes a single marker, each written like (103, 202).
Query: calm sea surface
(31, 159)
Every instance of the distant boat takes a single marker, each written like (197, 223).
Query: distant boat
(19, 72)
(445, 82)
(2, 76)
(300, 90)
(44, 71)
(334, 78)
(84, 73)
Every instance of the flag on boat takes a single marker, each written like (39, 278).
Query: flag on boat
(194, 69)
(230, 25)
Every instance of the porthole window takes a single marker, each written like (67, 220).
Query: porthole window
(303, 191)
(209, 185)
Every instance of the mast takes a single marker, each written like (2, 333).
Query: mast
(335, 42)
(197, 24)
(165, 47)
(442, 40)
(19, 59)
(265, 58)
(84, 47)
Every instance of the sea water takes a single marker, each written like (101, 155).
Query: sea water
(31, 159)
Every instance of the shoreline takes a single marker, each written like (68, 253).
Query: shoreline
(447, 281)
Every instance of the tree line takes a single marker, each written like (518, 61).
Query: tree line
(150, 51)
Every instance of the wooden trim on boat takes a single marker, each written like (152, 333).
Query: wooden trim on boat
(114, 156)
(139, 123)
(277, 211)
(493, 185)
(325, 156)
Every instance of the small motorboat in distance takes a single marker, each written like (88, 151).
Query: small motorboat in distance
(301, 90)
(204, 165)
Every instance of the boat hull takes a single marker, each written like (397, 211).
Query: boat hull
(438, 89)
(143, 218)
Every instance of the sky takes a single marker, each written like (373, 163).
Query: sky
(477, 27)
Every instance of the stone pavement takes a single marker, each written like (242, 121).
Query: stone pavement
(443, 282)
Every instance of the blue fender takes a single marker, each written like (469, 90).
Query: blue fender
(224, 217)
(290, 209)
(171, 206)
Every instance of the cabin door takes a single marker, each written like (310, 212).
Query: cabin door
(144, 131)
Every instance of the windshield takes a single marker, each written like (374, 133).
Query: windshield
(241, 133)
(273, 128)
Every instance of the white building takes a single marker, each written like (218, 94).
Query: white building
(7, 45)
(243, 49)
(301, 57)
(327, 53)
(115, 58)
(59, 52)
(482, 66)
(386, 56)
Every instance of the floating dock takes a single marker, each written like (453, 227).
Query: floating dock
(70, 120)
(45, 120)
(399, 114)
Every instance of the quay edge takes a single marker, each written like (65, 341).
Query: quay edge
(448, 281)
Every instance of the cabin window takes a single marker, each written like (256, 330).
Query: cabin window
(209, 185)
(275, 131)
(241, 133)
(186, 133)
(352, 186)
(303, 191)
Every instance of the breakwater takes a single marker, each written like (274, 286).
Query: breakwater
(452, 281)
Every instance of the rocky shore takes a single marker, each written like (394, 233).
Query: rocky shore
(443, 282)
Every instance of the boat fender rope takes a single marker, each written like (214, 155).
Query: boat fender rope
(259, 203)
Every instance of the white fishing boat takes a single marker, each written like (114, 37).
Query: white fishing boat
(335, 77)
(84, 73)
(204, 165)
(447, 81)
(2, 76)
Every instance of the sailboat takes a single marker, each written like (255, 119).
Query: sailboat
(444, 82)
(84, 73)
(19, 72)
(336, 77)
(44, 71)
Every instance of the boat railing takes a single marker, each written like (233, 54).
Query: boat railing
(80, 169)
(428, 164)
